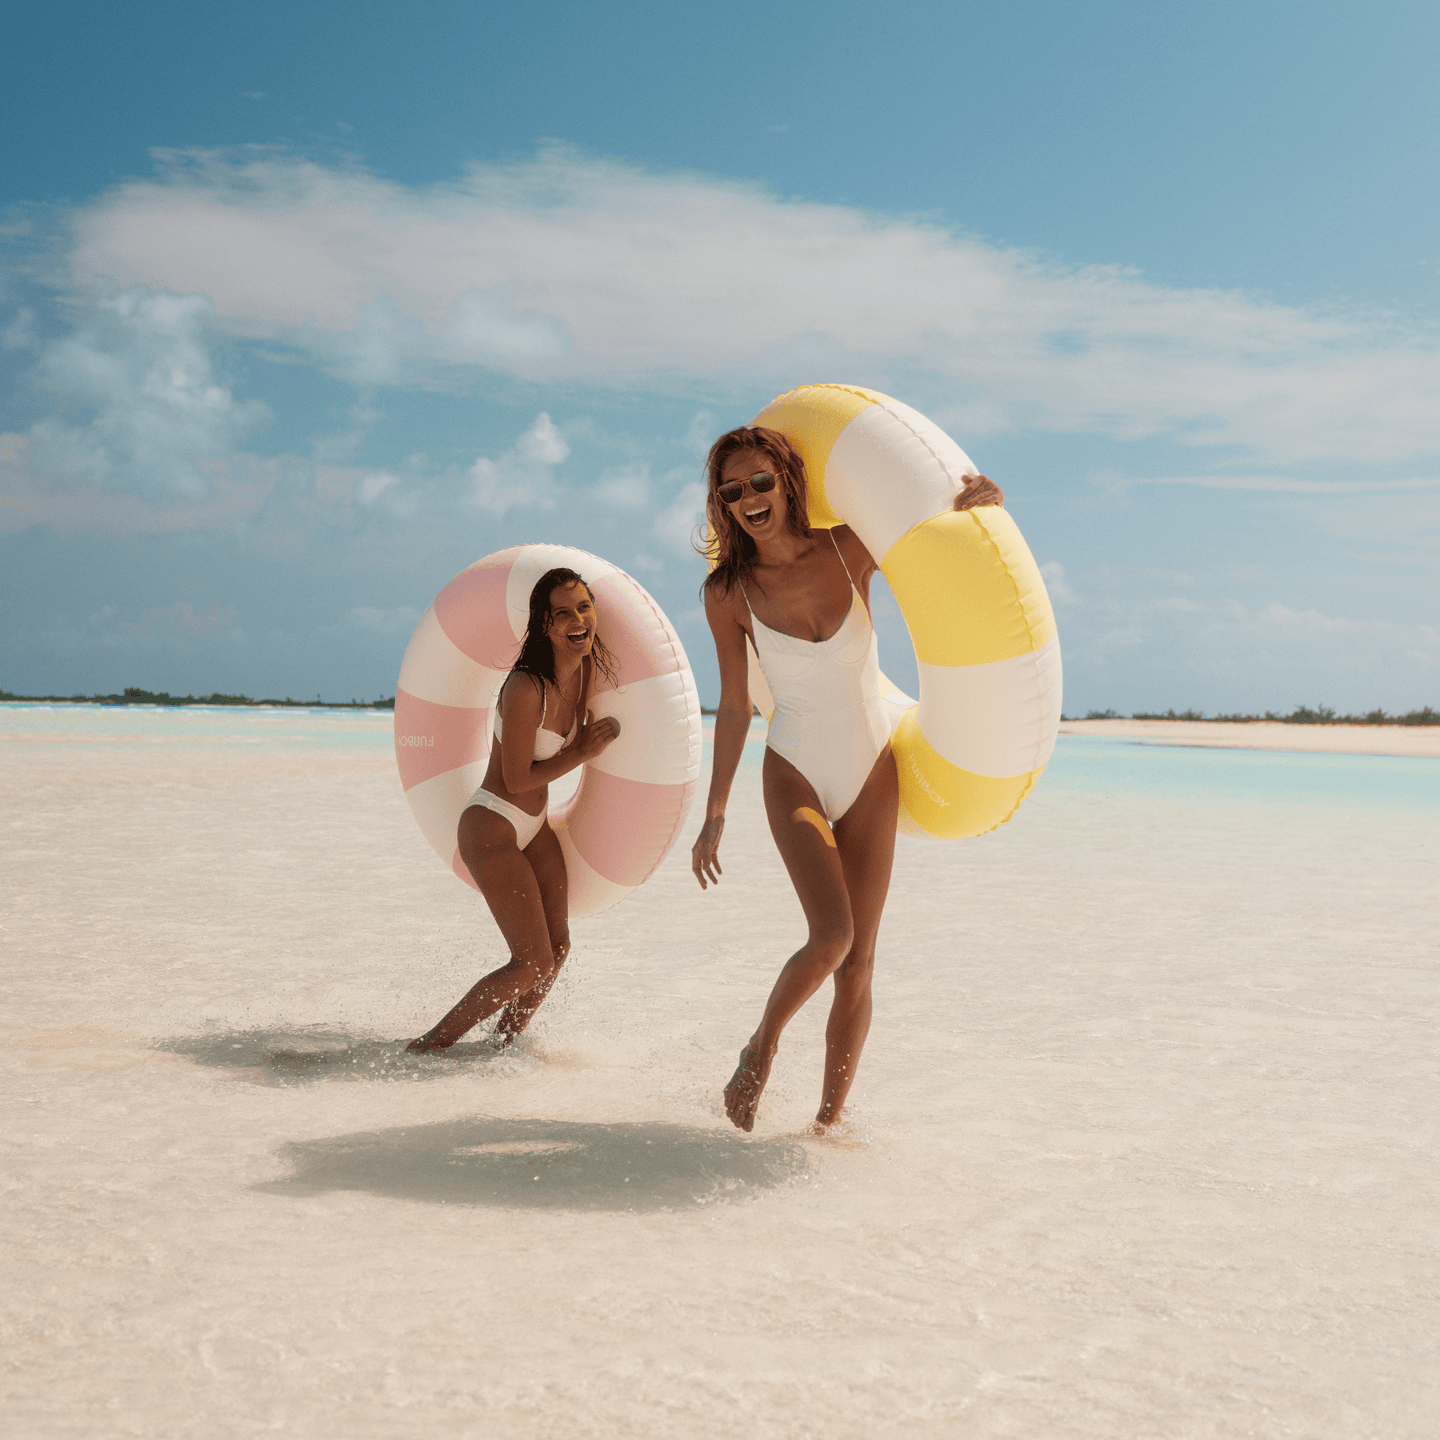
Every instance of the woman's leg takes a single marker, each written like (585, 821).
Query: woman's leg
(865, 835)
(507, 881)
(547, 860)
(812, 859)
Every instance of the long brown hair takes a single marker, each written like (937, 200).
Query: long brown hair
(537, 654)
(729, 549)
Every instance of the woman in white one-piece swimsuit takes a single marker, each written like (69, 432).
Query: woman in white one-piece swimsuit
(541, 733)
(831, 792)
(829, 721)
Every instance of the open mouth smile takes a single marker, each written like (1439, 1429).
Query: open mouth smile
(758, 516)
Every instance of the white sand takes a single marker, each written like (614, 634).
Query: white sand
(1267, 735)
(1144, 1142)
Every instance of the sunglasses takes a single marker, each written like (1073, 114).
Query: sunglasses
(761, 484)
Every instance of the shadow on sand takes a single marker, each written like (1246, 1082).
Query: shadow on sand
(543, 1165)
(317, 1052)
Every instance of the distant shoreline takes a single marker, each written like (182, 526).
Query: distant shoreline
(1094, 721)
(1301, 715)
(1412, 739)
(132, 695)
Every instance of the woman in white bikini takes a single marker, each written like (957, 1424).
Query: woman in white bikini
(542, 731)
(801, 597)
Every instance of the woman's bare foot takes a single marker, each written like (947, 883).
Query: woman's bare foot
(742, 1094)
(426, 1046)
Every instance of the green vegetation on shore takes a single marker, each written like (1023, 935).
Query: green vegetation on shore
(133, 695)
(1300, 715)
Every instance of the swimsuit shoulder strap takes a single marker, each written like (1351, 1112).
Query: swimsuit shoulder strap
(845, 567)
(580, 694)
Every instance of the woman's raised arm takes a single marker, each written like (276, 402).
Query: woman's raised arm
(521, 708)
(521, 711)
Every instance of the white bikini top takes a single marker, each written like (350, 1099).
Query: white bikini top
(548, 743)
(837, 673)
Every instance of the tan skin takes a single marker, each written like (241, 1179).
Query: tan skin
(800, 587)
(527, 890)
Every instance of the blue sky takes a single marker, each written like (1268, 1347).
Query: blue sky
(302, 309)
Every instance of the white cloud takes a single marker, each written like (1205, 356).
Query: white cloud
(374, 485)
(700, 433)
(1312, 625)
(400, 620)
(139, 407)
(182, 618)
(19, 334)
(238, 489)
(524, 476)
(488, 326)
(1283, 484)
(380, 490)
(382, 347)
(155, 629)
(565, 268)
(626, 487)
(676, 524)
(1219, 651)
(1053, 573)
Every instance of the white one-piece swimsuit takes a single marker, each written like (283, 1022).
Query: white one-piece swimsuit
(547, 746)
(829, 720)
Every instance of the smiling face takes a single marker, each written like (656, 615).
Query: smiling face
(758, 516)
(572, 622)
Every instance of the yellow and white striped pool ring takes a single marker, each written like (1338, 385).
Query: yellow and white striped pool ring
(980, 621)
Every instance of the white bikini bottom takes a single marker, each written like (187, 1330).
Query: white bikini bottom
(527, 827)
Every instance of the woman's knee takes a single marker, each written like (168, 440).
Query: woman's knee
(831, 939)
(557, 957)
(528, 972)
(856, 971)
(545, 965)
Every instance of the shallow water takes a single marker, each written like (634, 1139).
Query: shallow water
(1143, 1143)
(1102, 765)
(1096, 764)
(187, 726)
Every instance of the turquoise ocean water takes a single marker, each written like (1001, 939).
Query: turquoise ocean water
(1102, 765)
(1105, 765)
(196, 725)
(1113, 766)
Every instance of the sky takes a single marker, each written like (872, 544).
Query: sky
(305, 308)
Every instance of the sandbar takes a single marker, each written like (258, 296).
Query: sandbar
(1411, 740)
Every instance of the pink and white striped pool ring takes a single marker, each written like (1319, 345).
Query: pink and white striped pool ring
(633, 797)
